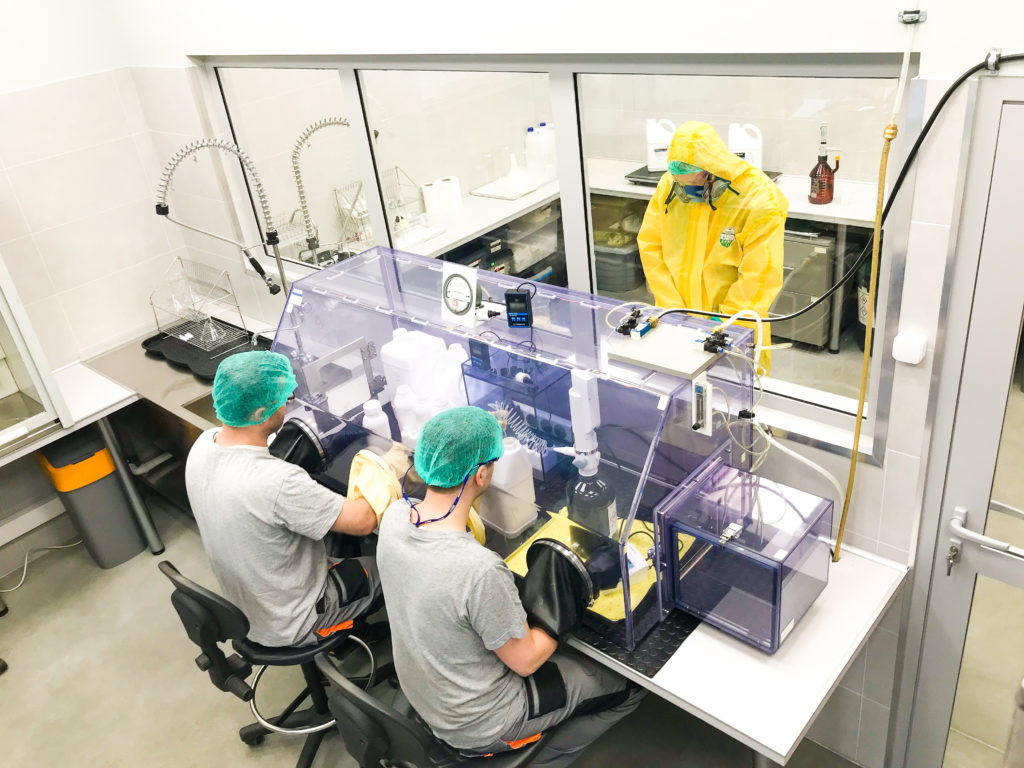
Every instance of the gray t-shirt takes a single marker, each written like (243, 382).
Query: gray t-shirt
(262, 521)
(451, 603)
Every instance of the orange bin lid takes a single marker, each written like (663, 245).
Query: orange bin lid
(71, 477)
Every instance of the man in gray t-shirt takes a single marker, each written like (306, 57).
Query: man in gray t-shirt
(481, 677)
(263, 520)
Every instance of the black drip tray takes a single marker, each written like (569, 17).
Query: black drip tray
(202, 363)
(650, 656)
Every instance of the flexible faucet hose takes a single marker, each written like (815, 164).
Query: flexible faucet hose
(300, 144)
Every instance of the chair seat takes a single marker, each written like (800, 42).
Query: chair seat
(288, 655)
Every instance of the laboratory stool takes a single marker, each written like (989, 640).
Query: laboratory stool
(378, 734)
(209, 620)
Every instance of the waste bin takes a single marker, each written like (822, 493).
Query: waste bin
(82, 470)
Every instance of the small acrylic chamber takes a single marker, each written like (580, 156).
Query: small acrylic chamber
(746, 554)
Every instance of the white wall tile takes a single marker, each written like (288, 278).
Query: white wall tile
(880, 669)
(62, 117)
(59, 190)
(838, 724)
(12, 220)
(53, 331)
(895, 554)
(938, 162)
(901, 502)
(28, 271)
(853, 680)
(874, 735)
(167, 99)
(124, 297)
(923, 278)
(908, 408)
(102, 244)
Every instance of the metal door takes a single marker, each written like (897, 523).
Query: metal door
(972, 652)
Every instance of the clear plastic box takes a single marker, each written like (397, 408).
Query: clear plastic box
(744, 553)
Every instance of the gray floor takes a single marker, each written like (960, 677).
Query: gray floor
(101, 674)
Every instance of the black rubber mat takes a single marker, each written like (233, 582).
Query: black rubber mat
(650, 656)
(201, 363)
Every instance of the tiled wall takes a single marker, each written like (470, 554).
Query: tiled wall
(855, 720)
(77, 228)
(787, 110)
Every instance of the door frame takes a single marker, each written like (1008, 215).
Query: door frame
(924, 688)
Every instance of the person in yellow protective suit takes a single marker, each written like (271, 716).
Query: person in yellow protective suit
(712, 237)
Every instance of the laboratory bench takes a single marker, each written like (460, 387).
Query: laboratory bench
(767, 702)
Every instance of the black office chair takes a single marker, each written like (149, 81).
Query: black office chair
(376, 734)
(209, 620)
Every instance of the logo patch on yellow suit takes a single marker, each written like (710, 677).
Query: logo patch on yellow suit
(728, 237)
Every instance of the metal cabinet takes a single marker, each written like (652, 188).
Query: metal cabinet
(809, 267)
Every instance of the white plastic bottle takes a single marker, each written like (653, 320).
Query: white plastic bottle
(510, 508)
(547, 133)
(394, 356)
(534, 146)
(659, 136)
(375, 420)
(404, 405)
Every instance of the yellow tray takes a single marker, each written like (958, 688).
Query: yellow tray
(609, 603)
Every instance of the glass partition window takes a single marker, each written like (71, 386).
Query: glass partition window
(288, 121)
(777, 124)
(466, 164)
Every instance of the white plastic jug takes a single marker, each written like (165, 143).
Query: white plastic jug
(745, 140)
(659, 136)
(407, 356)
(509, 507)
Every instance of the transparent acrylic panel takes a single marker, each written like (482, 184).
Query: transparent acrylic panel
(993, 658)
(467, 168)
(372, 327)
(746, 554)
(774, 123)
(288, 121)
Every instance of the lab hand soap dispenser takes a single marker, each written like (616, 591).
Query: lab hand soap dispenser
(659, 136)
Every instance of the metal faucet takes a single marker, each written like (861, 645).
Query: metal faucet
(163, 209)
(312, 238)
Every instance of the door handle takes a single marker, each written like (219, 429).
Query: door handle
(958, 526)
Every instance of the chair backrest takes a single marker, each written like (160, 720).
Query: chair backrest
(209, 619)
(373, 731)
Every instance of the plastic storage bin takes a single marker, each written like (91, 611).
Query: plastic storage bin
(747, 555)
(82, 470)
(618, 267)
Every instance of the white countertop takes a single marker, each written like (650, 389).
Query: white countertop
(769, 702)
(854, 202)
(478, 216)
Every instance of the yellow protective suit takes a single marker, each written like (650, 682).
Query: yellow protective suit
(720, 260)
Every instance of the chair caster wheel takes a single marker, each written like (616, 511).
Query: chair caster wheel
(254, 740)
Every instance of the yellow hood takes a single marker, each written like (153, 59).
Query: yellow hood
(697, 144)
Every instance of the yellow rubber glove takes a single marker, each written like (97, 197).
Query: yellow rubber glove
(373, 479)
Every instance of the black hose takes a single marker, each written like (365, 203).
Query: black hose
(900, 178)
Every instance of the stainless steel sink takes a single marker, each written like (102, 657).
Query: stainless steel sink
(203, 407)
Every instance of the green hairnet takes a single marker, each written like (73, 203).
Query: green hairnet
(453, 443)
(250, 386)
(679, 168)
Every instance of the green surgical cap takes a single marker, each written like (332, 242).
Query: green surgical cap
(453, 443)
(679, 168)
(250, 386)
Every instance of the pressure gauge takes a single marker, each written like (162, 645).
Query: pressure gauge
(457, 294)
